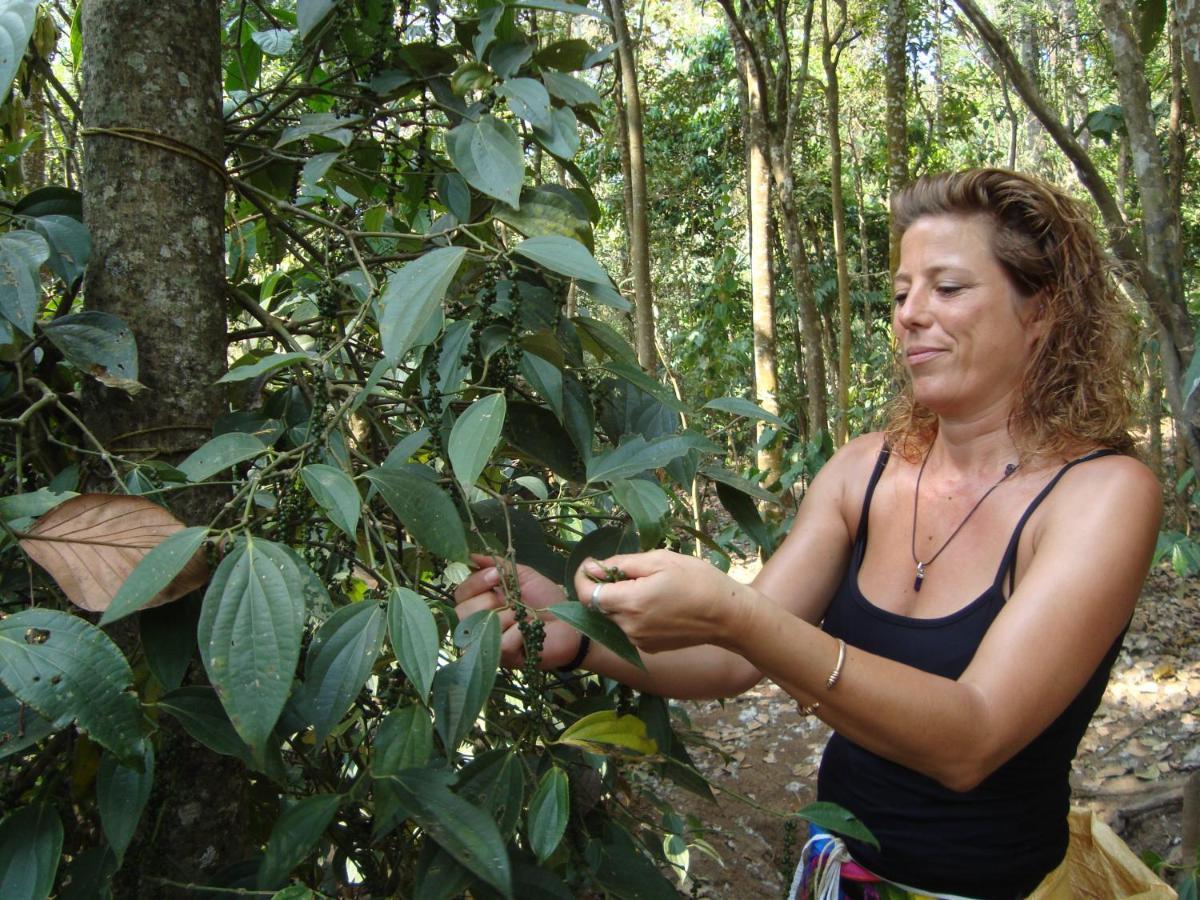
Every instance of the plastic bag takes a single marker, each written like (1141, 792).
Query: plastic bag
(1100, 866)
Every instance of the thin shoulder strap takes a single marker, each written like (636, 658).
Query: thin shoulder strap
(860, 539)
(1008, 562)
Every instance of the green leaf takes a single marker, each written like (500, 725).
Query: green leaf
(741, 507)
(834, 818)
(528, 99)
(199, 711)
(488, 154)
(568, 55)
(425, 510)
(637, 377)
(740, 407)
(1151, 19)
(269, 363)
(295, 834)
(70, 245)
(335, 493)
(20, 726)
(549, 209)
(69, 670)
(404, 740)
(338, 662)
(16, 27)
(561, 136)
(157, 569)
(571, 90)
(562, 255)
(168, 636)
(21, 256)
(327, 125)
(31, 840)
(405, 448)
(606, 295)
(35, 503)
(474, 437)
(604, 340)
(96, 343)
(648, 506)
(461, 688)
(310, 14)
(412, 295)
(461, 829)
(599, 627)
(636, 455)
(249, 635)
(274, 41)
(607, 728)
(745, 485)
(574, 9)
(414, 637)
(549, 812)
(545, 378)
(495, 782)
(53, 200)
(219, 454)
(121, 795)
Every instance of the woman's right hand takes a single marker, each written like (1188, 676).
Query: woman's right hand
(484, 589)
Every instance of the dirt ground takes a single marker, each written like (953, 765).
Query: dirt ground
(1131, 766)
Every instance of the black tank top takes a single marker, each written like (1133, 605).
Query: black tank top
(997, 840)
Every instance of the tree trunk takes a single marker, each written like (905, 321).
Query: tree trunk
(1077, 87)
(833, 117)
(155, 215)
(895, 82)
(1187, 17)
(639, 240)
(1031, 62)
(762, 289)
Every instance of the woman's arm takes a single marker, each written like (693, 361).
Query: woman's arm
(1092, 548)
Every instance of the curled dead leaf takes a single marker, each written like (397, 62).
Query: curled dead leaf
(91, 543)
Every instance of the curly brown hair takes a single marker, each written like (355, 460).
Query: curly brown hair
(1078, 381)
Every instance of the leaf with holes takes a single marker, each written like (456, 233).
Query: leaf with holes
(31, 840)
(97, 343)
(91, 545)
(70, 671)
(249, 635)
(338, 661)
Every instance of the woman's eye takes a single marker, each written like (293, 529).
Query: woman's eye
(949, 290)
(898, 297)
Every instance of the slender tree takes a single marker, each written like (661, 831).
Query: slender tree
(895, 111)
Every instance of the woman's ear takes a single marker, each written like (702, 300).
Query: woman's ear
(1035, 318)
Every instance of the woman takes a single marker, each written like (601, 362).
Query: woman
(953, 592)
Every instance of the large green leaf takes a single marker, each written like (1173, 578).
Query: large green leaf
(423, 508)
(412, 295)
(562, 255)
(549, 209)
(495, 782)
(97, 343)
(636, 455)
(219, 454)
(249, 636)
(155, 572)
(464, 831)
(414, 637)
(69, 670)
(199, 711)
(601, 339)
(741, 407)
(16, 27)
(21, 256)
(20, 726)
(274, 41)
(636, 376)
(335, 493)
(648, 506)
(474, 437)
(310, 13)
(404, 740)
(169, 639)
(570, 89)
(561, 137)
(834, 818)
(745, 485)
(269, 363)
(121, 793)
(608, 728)
(599, 627)
(69, 242)
(528, 99)
(741, 507)
(488, 154)
(328, 125)
(461, 688)
(31, 840)
(295, 834)
(546, 378)
(549, 812)
(338, 661)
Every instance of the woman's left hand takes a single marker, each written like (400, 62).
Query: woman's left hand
(664, 601)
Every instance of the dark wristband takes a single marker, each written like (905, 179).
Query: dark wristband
(585, 644)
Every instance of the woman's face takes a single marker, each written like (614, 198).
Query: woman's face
(963, 329)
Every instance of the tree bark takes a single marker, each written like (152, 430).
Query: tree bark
(1187, 18)
(155, 215)
(639, 239)
(829, 56)
(895, 44)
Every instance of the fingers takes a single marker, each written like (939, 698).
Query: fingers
(477, 583)
(631, 565)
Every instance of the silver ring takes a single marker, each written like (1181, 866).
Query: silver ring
(594, 602)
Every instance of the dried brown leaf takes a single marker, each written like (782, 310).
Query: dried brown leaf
(91, 543)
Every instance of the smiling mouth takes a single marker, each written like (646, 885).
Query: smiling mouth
(919, 355)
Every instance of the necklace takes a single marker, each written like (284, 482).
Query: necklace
(922, 566)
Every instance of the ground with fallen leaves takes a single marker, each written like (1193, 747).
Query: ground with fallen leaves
(1131, 766)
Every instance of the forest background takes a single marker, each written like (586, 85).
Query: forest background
(304, 302)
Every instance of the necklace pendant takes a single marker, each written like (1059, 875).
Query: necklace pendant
(920, 576)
